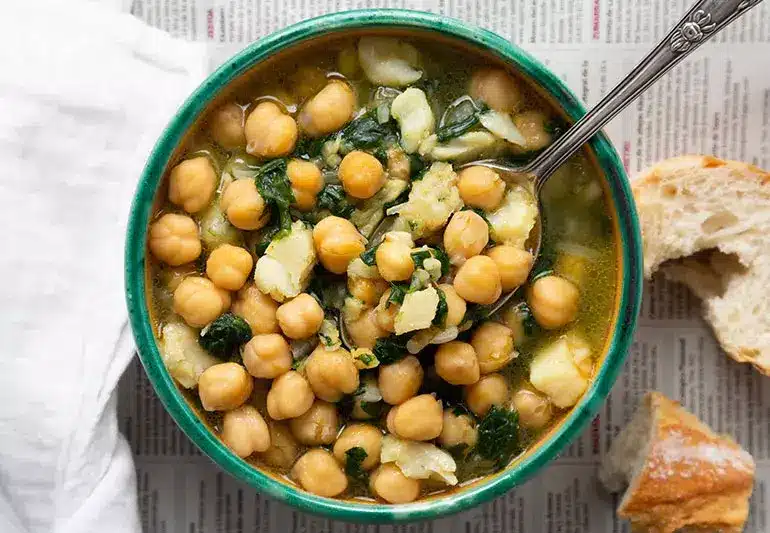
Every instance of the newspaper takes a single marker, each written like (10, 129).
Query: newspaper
(717, 101)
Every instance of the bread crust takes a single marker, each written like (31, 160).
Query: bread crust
(691, 477)
(671, 196)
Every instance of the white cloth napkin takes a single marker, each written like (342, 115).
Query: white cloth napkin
(84, 92)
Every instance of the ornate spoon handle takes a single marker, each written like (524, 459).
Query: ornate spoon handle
(698, 25)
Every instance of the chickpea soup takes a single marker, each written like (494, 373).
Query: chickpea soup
(323, 271)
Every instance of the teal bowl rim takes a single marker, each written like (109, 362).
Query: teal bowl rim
(172, 399)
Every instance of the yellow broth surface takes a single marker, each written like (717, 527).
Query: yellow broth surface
(358, 360)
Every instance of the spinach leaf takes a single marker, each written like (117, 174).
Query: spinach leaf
(333, 198)
(354, 457)
(373, 409)
(419, 257)
(397, 293)
(308, 148)
(368, 256)
(274, 187)
(499, 436)
(441, 310)
(225, 335)
(416, 165)
(450, 131)
(388, 350)
(367, 132)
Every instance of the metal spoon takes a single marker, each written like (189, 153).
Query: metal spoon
(704, 20)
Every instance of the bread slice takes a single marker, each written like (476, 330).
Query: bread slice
(679, 473)
(706, 223)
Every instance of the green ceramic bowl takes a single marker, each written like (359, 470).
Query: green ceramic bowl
(629, 280)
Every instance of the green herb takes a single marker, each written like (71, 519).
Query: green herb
(333, 198)
(475, 313)
(397, 293)
(299, 364)
(267, 235)
(225, 335)
(499, 436)
(459, 409)
(416, 165)
(388, 350)
(366, 358)
(367, 132)
(441, 310)
(450, 131)
(308, 148)
(275, 188)
(419, 257)
(369, 256)
(354, 457)
(528, 322)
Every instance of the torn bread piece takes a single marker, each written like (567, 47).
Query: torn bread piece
(706, 223)
(679, 473)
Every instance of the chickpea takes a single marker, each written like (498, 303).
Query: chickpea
(456, 306)
(269, 132)
(224, 386)
(493, 343)
(192, 183)
(465, 236)
(361, 174)
(389, 483)
(531, 124)
(419, 418)
(318, 426)
(534, 409)
(198, 301)
(229, 267)
(328, 110)
(386, 313)
(394, 260)
(174, 239)
(226, 126)
(331, 374)
(317, 471)
(365, 330)
(399, 166)
(283, 448)
(244, 431)
(337, 242)
(478, 280)
(456, 363)
(458, 430)
(306, 183)
(267, 356)
(258, 309)
(497, 89)
(290, 396)
(401, 380)
(364, 436)
(481, 187)
(367, 290)
(513, 264)
(553, 301)
(300, 317)
(490, 390)
(243, 205)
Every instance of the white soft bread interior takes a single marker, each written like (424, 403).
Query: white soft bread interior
(680, 474)
(706, 223)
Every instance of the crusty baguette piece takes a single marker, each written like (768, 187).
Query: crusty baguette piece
(719, 212)
(679, 473)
